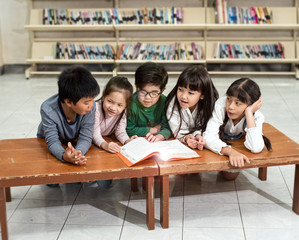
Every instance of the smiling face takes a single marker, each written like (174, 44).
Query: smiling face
(114, 103)
(188, 98)
(235, 109)
(144, 95)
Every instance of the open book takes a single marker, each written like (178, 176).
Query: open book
(140, 149)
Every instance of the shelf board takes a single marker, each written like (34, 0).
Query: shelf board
(250, 73)
(140, 27)
(160, 61)
(247, 27)
(57, 73)
(133, 73)
(69, 61)
(260, 60)
(69, 27)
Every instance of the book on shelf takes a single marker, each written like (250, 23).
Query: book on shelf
(225, 14)
(83, 51)
(269, 51)
(170, 15)
(140, 149)
(151, 51)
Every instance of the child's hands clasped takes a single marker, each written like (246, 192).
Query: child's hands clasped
(73, 156)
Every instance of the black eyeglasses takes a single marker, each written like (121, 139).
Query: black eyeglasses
(143, 93)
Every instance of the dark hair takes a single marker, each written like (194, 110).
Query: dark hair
(122, 85)
(196, 78)
(248, 92)
(151, 73)
(75, 83)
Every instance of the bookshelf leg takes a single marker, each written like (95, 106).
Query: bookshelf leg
(263, 173)
(114, 71)
(29, 70)
(164, 202)
(297, 72)
(150, 205)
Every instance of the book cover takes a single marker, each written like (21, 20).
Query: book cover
(140, 149)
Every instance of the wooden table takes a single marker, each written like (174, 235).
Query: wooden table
(29, 162)
(285, 151)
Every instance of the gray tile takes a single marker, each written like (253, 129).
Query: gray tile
(269, 216)
(30, 231)
(215, 233)
(271, 234)
(90, 232)
(212, 214)
(41, 211)
(140, 232)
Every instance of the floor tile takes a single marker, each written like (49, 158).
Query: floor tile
(95, 212)
(263, 192)
(90, 232)
(41, 211)
(269, 216)
(140, 232)
(213, 233)
(30, 231)
(213, 214)
(271, 234)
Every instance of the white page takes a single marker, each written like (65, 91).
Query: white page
(137, 149)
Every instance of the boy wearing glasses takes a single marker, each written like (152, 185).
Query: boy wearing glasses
(146, 117)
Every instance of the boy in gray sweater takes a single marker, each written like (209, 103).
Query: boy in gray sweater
(68, 117)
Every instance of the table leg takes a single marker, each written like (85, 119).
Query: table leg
(150, 204)
(7, 194)
(296, 190)
(263, 173)
(144, 183)
(3, 220)
(134, 184)
(164, 202)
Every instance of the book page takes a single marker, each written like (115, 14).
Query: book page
(173, 149)
(136, 150)
(140, 148)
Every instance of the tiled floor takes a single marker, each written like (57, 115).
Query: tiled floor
(202, 206)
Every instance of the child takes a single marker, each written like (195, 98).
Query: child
(69, 116)
(190, 105)
(234, 115)
(147, 113)
(110, 116)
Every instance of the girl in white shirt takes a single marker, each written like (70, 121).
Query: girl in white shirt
(110, 117)
(234, 115)
(190, 105)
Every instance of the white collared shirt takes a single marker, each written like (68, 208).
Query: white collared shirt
(254, 136)
(188, 121)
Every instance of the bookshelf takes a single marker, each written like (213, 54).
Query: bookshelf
(198, 26)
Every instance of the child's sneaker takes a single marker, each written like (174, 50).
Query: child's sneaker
(230, 175)
(53, 185)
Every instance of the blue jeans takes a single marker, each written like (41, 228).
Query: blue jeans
(104, 183)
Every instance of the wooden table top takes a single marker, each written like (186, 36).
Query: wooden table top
(285, 151)
(28, 162)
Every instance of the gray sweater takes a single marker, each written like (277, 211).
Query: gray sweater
(55, 128)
